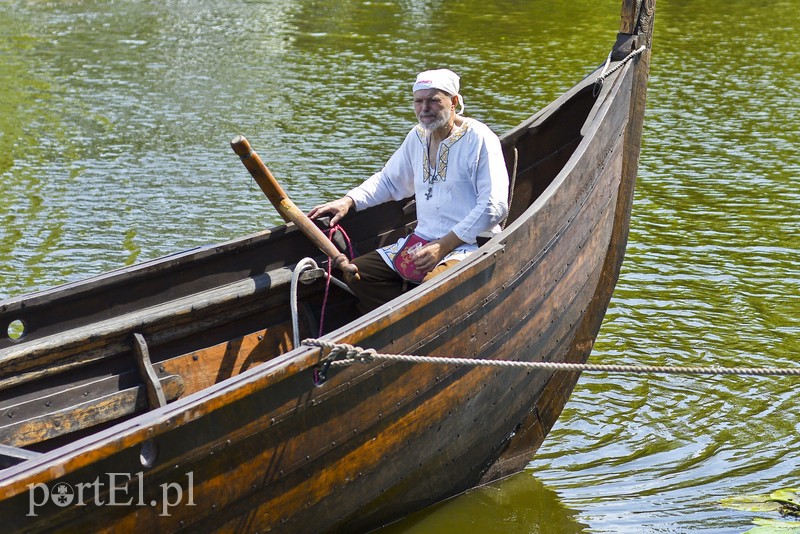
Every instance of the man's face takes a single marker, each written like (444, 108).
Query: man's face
(432, 108)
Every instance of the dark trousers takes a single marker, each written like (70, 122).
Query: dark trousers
(379, 283)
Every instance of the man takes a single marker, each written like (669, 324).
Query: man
(454, 167)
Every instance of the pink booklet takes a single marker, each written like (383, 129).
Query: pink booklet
(405, 264)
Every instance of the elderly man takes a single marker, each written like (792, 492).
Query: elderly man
(454, 167)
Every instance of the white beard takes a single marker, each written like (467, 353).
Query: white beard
(440, 121)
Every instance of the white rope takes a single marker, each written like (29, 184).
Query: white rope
(358, 355)
(303, 265)
(606, 72)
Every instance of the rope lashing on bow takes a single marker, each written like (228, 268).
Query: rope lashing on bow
(606, 72)
(352, 354)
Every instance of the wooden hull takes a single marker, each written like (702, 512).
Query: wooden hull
(254, 445)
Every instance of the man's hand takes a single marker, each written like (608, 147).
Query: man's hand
(431, 254)
(350, 270)
(335, 208)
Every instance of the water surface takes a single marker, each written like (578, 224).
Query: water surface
(115, 119)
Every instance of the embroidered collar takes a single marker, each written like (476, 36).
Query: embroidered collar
(440, 172)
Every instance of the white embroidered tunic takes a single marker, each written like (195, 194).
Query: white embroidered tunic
(465, 192)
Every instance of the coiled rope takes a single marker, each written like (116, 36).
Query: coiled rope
(352, 354)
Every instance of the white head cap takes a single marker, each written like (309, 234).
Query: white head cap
(443, 79)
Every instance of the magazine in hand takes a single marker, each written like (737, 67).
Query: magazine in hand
(403, 262)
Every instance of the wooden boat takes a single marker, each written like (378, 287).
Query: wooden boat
(174, 394)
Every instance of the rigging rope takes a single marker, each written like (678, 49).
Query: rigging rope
(606, 72)
(358, 355)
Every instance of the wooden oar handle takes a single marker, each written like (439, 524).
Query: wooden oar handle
(286, 208)
(263, 177)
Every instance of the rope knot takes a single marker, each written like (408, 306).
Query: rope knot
(343, 353)
(363, 355)
(606, 72)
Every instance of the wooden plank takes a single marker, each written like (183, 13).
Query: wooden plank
(85, 414)
(204, 368)
(104, 339)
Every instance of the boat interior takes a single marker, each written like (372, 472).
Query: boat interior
(89, 354)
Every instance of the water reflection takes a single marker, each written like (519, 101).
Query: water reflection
(518, 504)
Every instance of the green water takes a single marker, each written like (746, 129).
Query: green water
(115, 119)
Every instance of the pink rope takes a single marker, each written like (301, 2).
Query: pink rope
(332, 231)
(346, 240)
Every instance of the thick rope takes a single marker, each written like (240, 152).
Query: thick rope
(608, 72)
(358, 355)
(304, 265)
